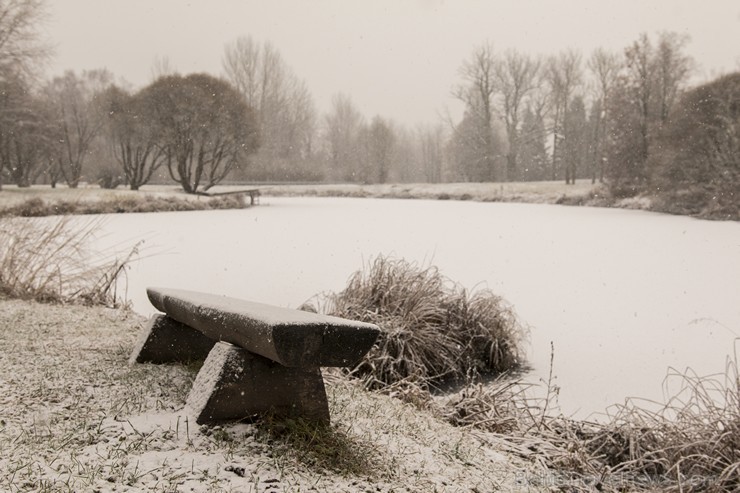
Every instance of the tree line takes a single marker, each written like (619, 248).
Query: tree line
(613, 117)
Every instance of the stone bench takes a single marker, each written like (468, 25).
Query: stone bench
(258, 358)
(254, 194)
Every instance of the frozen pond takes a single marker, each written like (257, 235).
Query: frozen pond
(623, 295)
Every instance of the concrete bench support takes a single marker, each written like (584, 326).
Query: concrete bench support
(235, 384)
(165, 340)
(258, 358)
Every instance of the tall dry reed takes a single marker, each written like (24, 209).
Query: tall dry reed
(49, 259)
(690, 443)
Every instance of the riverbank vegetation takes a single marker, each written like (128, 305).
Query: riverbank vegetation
(110, 203)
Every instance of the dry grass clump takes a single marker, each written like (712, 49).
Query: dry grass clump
(49, 260)
(431, 329)
(689, 444)
(693, 441)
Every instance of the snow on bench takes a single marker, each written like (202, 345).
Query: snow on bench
(254, 194)
(258, 357)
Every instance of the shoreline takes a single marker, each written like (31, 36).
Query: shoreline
(42, 200)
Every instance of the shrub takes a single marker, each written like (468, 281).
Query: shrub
(65, 207)
(432, 330)
(110, 177)
(33, 207)
(697, 155)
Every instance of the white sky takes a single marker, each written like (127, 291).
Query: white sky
(395, 58)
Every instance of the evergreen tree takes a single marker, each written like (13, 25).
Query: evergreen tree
(533, 156)
(575, 141)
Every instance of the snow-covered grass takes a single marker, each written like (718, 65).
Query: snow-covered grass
(532, 192)
(77, 417)
(38, 201)
(432, 329)
(11, 195)
(76, 201)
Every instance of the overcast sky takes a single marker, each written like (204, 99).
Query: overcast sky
(395, 58)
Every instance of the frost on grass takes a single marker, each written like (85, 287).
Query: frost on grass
(432, 330)
(77, 417)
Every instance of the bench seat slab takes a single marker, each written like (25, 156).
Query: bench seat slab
(235, 384)
(165, 340)
(290, 337)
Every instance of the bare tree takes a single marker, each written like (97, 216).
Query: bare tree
(341, 129)
(22, 51)
(21, 47)
(162, 67)
(431, 149)
(74, 103)
(672, 69)
(639, 63)
(25, 136)
(377, 141)
(282, 102)
(564, 75)
(242, 64)
(604, 67)
(516, 76)
(132, 137)
(406, 161)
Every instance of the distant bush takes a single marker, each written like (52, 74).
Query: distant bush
(431, 329)
(110, 177)
(33, 207)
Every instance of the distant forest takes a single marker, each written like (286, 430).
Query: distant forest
(627, 119)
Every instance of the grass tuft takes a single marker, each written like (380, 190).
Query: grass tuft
(432, 330)
(691, 443)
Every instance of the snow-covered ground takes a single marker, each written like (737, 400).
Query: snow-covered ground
(623, 295)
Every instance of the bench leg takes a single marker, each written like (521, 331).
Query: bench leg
(235, 384)
(165, 340)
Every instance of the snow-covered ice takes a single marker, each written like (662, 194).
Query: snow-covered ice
(623, 295)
